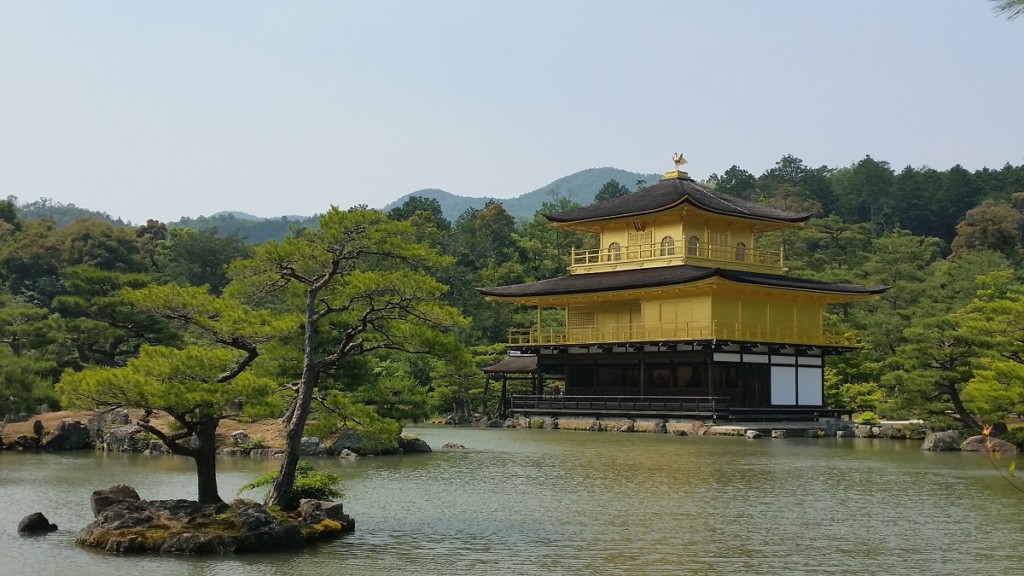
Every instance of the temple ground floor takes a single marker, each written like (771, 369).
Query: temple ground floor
(718, 381)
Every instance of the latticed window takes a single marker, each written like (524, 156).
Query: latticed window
(668, 246)
(692, 246)
(581, 319)
(614, 251)
(741, 252)
(639, 244)
(636, 239)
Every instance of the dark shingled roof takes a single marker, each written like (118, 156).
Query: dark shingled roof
(666, 276)
(672, 192)
(522, 364)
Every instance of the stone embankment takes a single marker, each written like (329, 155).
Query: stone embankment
(124, 523)
(932, 441)
(114, 431)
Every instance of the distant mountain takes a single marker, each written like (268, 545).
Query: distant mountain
(246, 216)
(252, 229)
(579, 187)
(62, 214)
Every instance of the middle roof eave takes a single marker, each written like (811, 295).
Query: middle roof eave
(666, 276)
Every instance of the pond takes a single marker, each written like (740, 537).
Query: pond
(560, 502)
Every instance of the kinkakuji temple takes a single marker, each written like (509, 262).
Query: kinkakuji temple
(678, 314)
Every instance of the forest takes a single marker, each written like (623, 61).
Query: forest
(175, 318)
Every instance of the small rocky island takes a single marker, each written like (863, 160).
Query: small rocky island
(125, 523)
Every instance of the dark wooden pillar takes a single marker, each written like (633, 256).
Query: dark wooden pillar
(503, 407)
(643, 373)
(487, 389)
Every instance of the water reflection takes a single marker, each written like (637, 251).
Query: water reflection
(537, 501)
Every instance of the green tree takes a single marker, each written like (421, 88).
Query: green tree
(995, 320)
(30, 262)
(9, 217)
(101, 326)
(864, 193)
(545, 250)
(901, 261)
(199, 385)
(1009, 8)
(991, 225)
(735, 182)
(360, 283)
(932, 369)
(418, 204)
(101, 245)
(28, 360)
(611, 190)
(198, 257)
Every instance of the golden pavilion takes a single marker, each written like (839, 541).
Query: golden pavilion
(678, 314)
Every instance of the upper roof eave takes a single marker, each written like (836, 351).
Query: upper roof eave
(668, 194)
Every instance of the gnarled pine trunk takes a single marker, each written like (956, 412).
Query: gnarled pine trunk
(205, 455)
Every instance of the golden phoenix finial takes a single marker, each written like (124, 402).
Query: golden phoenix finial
(678, 159)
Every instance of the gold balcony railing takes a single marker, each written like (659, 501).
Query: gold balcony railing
(679, 252)
(677, 332)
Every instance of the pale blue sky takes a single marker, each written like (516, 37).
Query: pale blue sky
(164, 109)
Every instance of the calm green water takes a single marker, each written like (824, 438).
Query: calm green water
(558, 502)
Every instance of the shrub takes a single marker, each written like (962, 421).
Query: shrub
(1015, 436)
(868, 419)
(943, 422)
(257, 443)
(309, 483)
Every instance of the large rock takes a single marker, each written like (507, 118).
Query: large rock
(103, 420)
(311, 446)
(697, 428)
(893, 432)
(261, 530)
(946, 440)
(129, 438)
(660, 427)
(410, 445)
(348, 440)
(919, 433)
(241, 438)
(35, 523)
(314, 512)
(752, 434)
(627, 426)
(157, 447)
(187, 527)
(982, 443)
(268, 453)
(107, 497)
(864, 431)
(551, 424)
(69, 435)
(25, 442)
